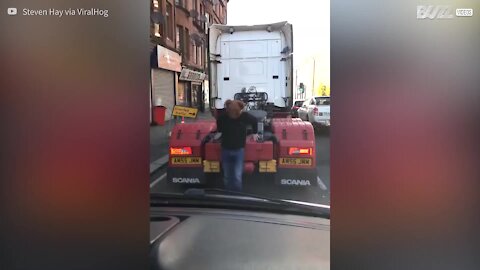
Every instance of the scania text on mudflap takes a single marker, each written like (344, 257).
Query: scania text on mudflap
(253, 64)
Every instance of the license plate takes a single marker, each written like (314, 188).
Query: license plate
(187, 160)
(296, 161)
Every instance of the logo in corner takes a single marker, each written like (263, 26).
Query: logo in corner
(434, 12)
(12, 11)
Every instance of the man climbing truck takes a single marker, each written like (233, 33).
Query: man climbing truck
(252, 64)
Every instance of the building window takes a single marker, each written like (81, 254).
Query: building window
(181, 40)
(199, 55)
(168, 21)
(202, 14)
(181, 93)
(196, 95)
(157, 28)
(207, 21)
(177, 38)
(205, 56)
(224, 13)
(186, 45)
(194, 53)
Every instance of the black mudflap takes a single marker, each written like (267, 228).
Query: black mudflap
(257, 178)
(192, 177)
(296, 178)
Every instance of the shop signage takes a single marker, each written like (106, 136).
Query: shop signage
(168, 59)
(191, 75)
(185, 111)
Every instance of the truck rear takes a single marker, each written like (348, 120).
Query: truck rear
(252, 64)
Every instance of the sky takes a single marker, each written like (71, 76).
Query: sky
(311, 31)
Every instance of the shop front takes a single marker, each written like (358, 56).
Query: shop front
(163, 80)
(190, 89)
(183, 93)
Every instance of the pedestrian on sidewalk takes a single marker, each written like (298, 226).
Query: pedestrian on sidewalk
(233, 126)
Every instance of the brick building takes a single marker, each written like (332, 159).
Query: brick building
(179, 70)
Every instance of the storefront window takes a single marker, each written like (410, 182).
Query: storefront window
(181, 97)
(184, 95)
(197, 98)
(188, 94)
(194, 96)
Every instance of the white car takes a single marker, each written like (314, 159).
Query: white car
(316, 110)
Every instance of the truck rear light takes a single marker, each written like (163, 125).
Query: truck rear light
(315, 111)
(300, 151)
(180, 151)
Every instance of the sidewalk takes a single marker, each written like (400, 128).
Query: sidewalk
(159, 138)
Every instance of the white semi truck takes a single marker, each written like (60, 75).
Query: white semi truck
(252, 64)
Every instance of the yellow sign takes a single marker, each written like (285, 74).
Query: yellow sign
(187, 160)
(185, 111)
(322, 90)
(296, 161)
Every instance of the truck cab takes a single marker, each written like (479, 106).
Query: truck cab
(253, 64)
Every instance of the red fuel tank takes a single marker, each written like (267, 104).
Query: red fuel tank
(186, 141)
(296, 143)
(213, 151)
(255, 151)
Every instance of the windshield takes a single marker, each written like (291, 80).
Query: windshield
(322, 100)
(298, 103)
(220, 118)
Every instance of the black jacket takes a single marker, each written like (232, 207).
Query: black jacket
(234, 131)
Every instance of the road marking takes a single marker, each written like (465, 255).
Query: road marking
(310, 204)
(158, 163)
(158, 180)
(321, 184)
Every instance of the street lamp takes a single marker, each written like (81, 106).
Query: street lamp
(313, 78)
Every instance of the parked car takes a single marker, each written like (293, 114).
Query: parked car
(316, 110)
(296, 105)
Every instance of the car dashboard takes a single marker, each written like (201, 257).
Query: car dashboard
(199, 238)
